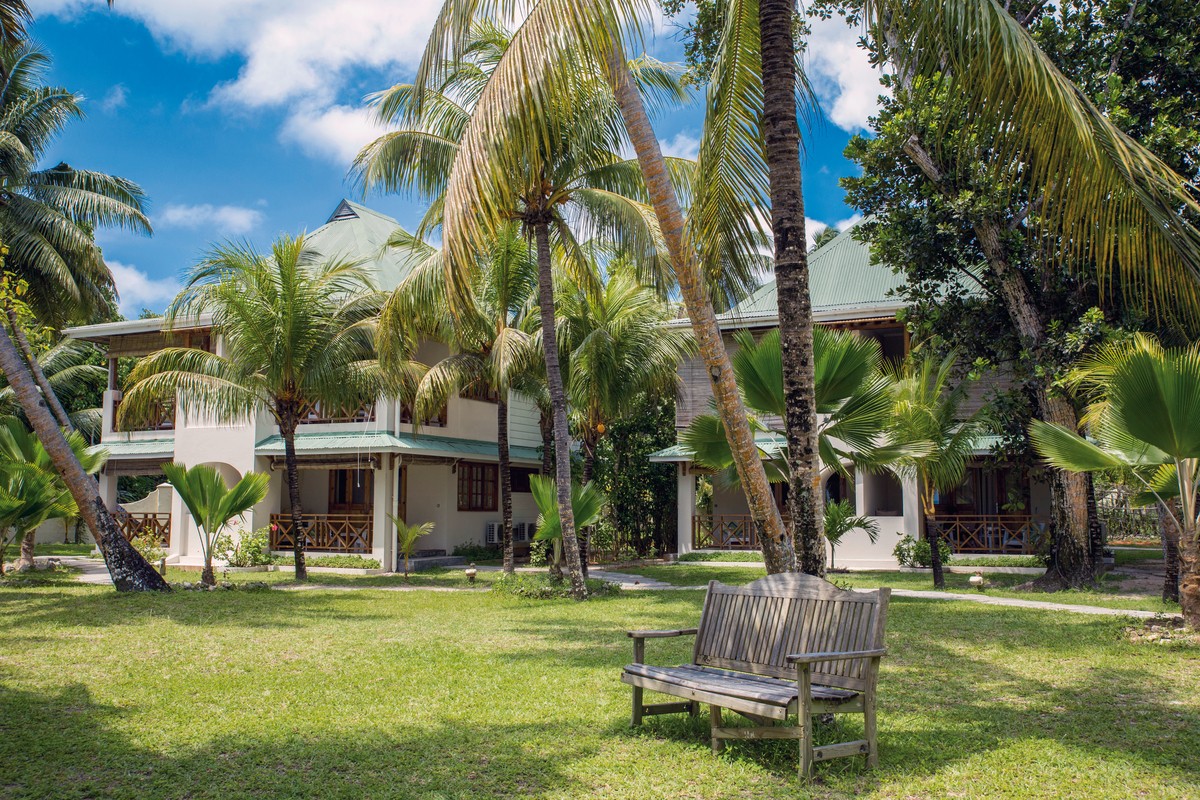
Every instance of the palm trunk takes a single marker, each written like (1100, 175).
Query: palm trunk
(546, 427)
(28, 540)
(588, 445)
(933, 535)
(129, 571)
(1169, 534)
(1071, 562)
(781, 135)
(558, 402)
(287, 428)
(39, 377)
(505, 479)
(1189, 573)
(767, 521)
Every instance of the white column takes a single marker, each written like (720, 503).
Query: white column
(686, 507)
(383, 532)
(108, 489)
(912, 505)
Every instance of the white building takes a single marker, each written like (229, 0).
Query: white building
(355, 469)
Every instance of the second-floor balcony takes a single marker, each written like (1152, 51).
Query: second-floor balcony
(162, 418)
(320, 414)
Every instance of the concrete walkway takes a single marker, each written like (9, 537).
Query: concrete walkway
(93, 571)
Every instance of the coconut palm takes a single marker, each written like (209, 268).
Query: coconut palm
(488, 348)
(70, 376)
(212, 504)
(32, 479)
(296, 328)
(1145, 425)
(840, 519)
(407, 536)
(928, 407)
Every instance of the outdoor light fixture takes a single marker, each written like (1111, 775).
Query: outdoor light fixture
(471, 573)
(976, 580)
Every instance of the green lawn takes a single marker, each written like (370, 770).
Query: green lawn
(1123, 556)
(1000, 584)
(60, 549)
(443, 577)
(334, 694)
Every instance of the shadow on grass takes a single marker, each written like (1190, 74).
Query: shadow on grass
(70, 746)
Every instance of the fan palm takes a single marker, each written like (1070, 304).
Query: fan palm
(30, 477)
(1145, 425)
(840, 519)
(212, 504)
(407, 536)
(488, 348)
(928, 407)
(297, 329)
(587, 503)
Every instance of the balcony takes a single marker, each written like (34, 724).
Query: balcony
(724, 532)
(325, 533)
(990, 534)
(319, 414)
(135, 524)
(162, 419)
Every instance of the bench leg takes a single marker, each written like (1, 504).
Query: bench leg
(804, 721)
(694, 709)
(637, 706)
(869, 731)
(714, 714)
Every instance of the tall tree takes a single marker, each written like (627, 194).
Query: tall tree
(488, 346)
(296, 328)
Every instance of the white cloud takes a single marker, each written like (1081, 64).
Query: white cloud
(225, 220)
(337, 132)
(684, 144)
(812, 227)
(849, 221)
(115, 99)
(841, 74)
(138, 290)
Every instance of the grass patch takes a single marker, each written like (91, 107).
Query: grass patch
(438, 577)
(476, 695)
(341, 562)
(60, 549)
(997, 561)
(539, 586)
(731, 555)
(1137, 556)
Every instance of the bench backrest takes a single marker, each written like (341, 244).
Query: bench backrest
(753, 628)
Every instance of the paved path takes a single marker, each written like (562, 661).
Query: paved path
(92, 570)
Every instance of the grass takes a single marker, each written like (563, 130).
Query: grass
(1137, 556)
(999, 585)
(728, 555)
(60, 549)
(434, 695)
(439, 577)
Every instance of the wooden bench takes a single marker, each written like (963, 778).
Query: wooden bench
(785, 645)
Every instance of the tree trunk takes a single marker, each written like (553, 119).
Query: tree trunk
(933, 535)
(505, 479)
(287, 428)
(39, 377)
(1169, 534)
(546, 426)
(1189, 584)
(129, 571)
(208, 577)
(767, 521)
(588, 446)
(28, 540)
(781, 135)
(558, 403)
(1071, 563)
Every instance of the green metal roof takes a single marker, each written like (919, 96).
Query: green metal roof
(769, 444)
(842, 279)
(356, 232)
(139, 448)
(382, 442)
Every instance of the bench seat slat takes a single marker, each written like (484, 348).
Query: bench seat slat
(742, 686)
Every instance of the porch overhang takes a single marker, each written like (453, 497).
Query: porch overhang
(138, 449)
(769, 446)
(406, 445)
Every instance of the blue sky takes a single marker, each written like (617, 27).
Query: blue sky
(239, 117)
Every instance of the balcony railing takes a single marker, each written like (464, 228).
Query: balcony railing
(990, 533)
(328, 533)
(724, 532)
(162, 418)
(318, 414)
(136, 523)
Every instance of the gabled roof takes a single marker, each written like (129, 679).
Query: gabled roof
(357, 233)
(843, 284)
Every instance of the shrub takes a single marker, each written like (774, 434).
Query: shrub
(540, 587)
(911, 553)
(340, 562)
(249, 549)
(732, 555)
(150, 546)
(539, 552)
(479, 552)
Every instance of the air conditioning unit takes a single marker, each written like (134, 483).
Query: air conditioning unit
(493, 533)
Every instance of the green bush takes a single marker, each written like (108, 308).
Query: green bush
(150, 546)
(998, 561)
(249, 549)
(540, 587)
(339, 562)
(479, 552)
(731, 555)
(911, 553)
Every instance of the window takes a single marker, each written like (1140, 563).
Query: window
(350, 490)
(477, 486)
(520, 478)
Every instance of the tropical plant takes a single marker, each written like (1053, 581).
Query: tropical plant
(1145, 425)
(488, 348)
(587, 503)
(928, 400)
(297, 329)
(70, 376)
(213, 504)
(840, 519)
(31, 481)
(246, 549)
(407, 536)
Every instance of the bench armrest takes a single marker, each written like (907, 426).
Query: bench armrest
(812, 658)
(660, 634)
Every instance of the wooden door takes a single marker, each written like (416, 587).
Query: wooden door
(402, 495)
(351, 491)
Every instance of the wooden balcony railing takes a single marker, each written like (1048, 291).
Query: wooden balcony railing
(990, 533)
(318, 414)
(724, 532)
(329, 533)
(133, 523)
(162, 419)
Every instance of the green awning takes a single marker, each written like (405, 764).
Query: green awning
(341, 442)
(139, 448)
(770, 444)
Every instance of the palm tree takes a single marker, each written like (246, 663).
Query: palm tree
(32, 479)
(407, 535)
(616, 345)
(70, 376)
(928, 407)
(840, 519)
(587, 504)
(212, 504)
(1145, 425)
(296, 329)
(562, 178)
(488, 348)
